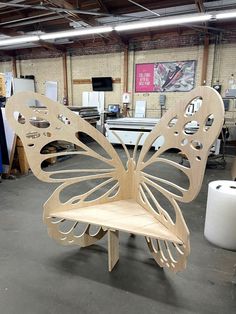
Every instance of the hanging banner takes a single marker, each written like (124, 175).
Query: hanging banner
(144, 80)
(178, 76)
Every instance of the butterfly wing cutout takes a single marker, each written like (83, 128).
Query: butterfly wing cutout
(61, 124)
(192, 136)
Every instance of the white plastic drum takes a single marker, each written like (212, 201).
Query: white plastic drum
(220, 223)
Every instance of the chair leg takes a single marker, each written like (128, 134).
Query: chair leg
(113, 248)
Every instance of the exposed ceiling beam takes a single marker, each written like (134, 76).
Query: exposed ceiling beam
(30, 21)
(22, 19)
(88, 20)
(63, 4)
(59, 10)
(91, 21)
(200, 6)
(143, 7)
(9, 32)
(50, 46)
(69, 8)
(201, 9)
(102, 6)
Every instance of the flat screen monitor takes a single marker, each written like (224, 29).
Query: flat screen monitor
(102, 84)
(113, 108)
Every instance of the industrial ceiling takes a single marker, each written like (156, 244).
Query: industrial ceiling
(20, 18)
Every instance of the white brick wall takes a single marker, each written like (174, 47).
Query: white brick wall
(44, 70)
(85, 67)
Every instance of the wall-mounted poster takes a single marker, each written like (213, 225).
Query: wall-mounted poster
(178, 76)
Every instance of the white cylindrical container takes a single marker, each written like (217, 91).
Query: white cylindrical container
(220, 222)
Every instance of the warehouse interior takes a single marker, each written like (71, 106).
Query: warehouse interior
(120, 80)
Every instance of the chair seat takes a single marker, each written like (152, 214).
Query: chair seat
(124, 215)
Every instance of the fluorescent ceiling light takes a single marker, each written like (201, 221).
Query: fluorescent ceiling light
(18, 40)
(226, 15)
(157, 22)
(77, 32)
(164, 22)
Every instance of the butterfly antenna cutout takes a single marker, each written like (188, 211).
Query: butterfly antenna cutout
(136, 146)
(125, 148)
(123, 145)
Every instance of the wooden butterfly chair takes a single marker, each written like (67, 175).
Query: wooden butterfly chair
(126, 200)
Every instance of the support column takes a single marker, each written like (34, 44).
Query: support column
(65, 78)
(126, 56)
(113, 248)
(14, 68)
(205, 60)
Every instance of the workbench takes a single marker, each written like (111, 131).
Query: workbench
(129, 129)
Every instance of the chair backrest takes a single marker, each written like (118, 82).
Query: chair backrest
(191, 135)
(102, 177)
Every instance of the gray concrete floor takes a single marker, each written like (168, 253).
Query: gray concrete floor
(37, 275)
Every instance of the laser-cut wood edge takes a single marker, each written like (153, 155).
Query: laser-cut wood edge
(132, 183)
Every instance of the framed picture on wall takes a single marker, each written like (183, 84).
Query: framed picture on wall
(177, 76)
